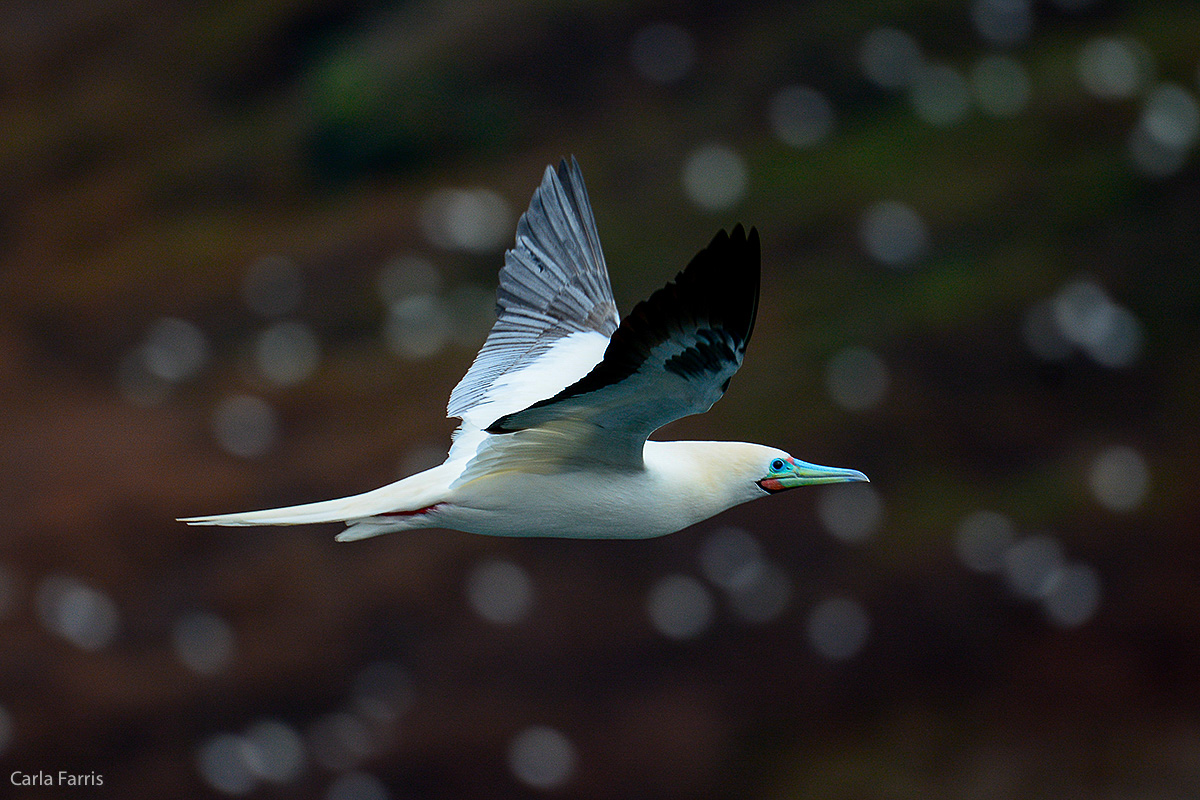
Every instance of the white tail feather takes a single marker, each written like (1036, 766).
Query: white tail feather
(414, 492)
(369, 528)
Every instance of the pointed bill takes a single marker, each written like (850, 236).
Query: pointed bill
(801, 473)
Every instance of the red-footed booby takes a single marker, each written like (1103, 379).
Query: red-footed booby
(557, 407)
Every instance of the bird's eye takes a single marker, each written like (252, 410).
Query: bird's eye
(777, 465)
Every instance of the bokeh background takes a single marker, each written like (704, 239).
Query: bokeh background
(247, 249)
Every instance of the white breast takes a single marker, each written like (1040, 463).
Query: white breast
(671, 493)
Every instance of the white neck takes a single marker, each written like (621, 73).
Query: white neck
(705, 478)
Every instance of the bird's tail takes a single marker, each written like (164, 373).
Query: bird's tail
(396, 506)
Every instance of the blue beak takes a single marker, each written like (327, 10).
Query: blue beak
(801, 473)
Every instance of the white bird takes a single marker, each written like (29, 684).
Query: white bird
(558, 405)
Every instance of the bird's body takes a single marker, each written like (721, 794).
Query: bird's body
(680, 485)
(559, 403)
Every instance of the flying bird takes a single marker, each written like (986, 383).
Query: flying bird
(558, 406)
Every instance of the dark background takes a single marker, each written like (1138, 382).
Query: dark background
(246, 250)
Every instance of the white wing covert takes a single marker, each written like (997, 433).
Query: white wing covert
(555, 309)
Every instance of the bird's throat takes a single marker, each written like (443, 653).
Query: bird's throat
(771, 485)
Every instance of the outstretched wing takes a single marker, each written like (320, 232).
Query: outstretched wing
(555, 309)
(673, 356)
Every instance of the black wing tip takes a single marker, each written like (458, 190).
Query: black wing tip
(727, 274)
(738, 237)
(751, 238)
(748, 248)
(734, 242)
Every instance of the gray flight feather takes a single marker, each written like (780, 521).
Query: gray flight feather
(553, 283)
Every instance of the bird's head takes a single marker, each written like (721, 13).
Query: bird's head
(781, 471)
(740, 471)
